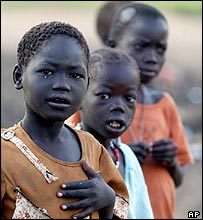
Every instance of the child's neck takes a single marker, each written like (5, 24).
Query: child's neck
(39, 128)
(148, 96)
(141, 94)
(102, 140)
(105, 142)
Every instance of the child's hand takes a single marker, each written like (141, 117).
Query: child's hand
(141, 150)
(95, 194)
(165, 151)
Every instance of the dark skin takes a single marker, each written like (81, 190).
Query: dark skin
(50, 82)
(109, 105)
(146, 41)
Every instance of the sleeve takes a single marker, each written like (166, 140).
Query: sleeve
(73, 120)
(114, 179)
(178, 134)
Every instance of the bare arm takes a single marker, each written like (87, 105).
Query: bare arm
(141, 150)
(176, 172)
(165, 151)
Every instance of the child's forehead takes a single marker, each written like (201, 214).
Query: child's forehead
(56, 40)
(116, 68)
(148, 28)
(60, 52)
(115, 73)
(145, 22)
(60, 45)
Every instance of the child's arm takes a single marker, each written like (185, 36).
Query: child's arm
(140, 149)
(165, 151)
(176, 172)
(95, 195)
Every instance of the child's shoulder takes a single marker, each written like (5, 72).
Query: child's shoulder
(126, 148)
(127, 151)
(167, 98)
(8, 133)
(84, 136)
(133, 162)
(158, 95)
(7, 143)
(89, 143)
(152, 95)
(167, 103)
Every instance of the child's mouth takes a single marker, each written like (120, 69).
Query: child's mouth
(62, 101)
(59, 102)
(148, 73)
(115, 126)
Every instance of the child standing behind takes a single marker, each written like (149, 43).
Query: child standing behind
(108, 110)
(44, 163)
(156, 134)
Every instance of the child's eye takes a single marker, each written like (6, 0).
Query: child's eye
(76, 75)
(104, 96)
(139, 46)
(131, 99)
(46, 73)
(161, 50)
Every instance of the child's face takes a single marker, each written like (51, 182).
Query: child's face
(109, 106)
(146, 41)
(55, 80)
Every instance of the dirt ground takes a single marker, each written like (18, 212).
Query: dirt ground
(184, 54)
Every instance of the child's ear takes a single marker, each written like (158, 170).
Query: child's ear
(88, 81)
(17, 76)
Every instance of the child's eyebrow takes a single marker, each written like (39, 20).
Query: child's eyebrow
(106, 85)
(51, 63)
(142, 39)
(147, 41)
(44, 63)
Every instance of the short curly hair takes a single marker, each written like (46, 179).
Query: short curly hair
(32, 41)
(107, 56)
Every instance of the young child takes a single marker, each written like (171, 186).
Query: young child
(156, 134)
(107, 111)
(49, 170)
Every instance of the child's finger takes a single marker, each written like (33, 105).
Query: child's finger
(161, 142)
(91, 173)
(84, 213)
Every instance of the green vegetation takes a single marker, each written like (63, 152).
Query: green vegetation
(189, 7)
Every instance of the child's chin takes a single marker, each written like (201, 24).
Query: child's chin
(114, 133)
(146, 79)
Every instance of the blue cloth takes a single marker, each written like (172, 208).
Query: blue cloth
(140, 206)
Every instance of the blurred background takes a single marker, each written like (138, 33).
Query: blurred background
(182, 75)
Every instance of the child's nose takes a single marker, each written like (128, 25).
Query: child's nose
(61, 82)
(151, 56)
(117, 106)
